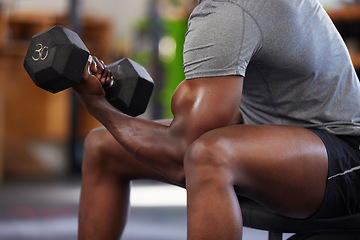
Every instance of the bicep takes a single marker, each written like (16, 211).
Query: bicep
(202, 104)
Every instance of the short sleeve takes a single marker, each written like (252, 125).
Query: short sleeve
(221, 40)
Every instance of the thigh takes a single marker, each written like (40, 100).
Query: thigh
(283, 167)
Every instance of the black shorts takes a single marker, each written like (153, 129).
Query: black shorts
(342, 196)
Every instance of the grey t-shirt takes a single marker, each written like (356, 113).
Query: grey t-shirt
(296, 67)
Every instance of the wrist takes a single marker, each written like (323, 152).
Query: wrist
(91, 102)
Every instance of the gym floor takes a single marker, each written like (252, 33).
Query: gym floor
(47, 210)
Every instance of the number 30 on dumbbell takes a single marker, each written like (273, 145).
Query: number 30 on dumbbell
(56, 59)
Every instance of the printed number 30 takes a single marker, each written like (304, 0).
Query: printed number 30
(42, 52)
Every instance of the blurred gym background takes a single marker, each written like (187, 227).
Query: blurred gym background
(41, 134)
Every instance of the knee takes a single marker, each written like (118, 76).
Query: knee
(208, 157)
(96, 150)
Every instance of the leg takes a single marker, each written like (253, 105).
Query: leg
(106, 175)
(283, 167)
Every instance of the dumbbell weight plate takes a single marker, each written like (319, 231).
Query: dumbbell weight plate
(56, 58)
(132, 87)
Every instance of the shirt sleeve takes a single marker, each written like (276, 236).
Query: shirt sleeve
(221, 40)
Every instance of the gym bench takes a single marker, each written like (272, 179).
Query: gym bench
(258, 217)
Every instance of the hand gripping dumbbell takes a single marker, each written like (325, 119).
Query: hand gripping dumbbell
(56, 59)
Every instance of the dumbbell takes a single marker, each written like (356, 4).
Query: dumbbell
(56, 59)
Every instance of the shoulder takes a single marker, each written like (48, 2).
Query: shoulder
(221, 40)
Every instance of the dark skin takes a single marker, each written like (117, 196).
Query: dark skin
(206, 148)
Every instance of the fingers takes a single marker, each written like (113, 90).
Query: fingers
(102, 72)
(92, 65)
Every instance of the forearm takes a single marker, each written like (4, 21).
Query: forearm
(148, 141)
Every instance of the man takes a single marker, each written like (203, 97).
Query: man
(292, 145)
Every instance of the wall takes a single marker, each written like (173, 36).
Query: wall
(121, 13)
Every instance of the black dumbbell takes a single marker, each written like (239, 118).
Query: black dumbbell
(56, 59)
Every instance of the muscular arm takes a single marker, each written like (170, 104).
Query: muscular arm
(198, 105)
